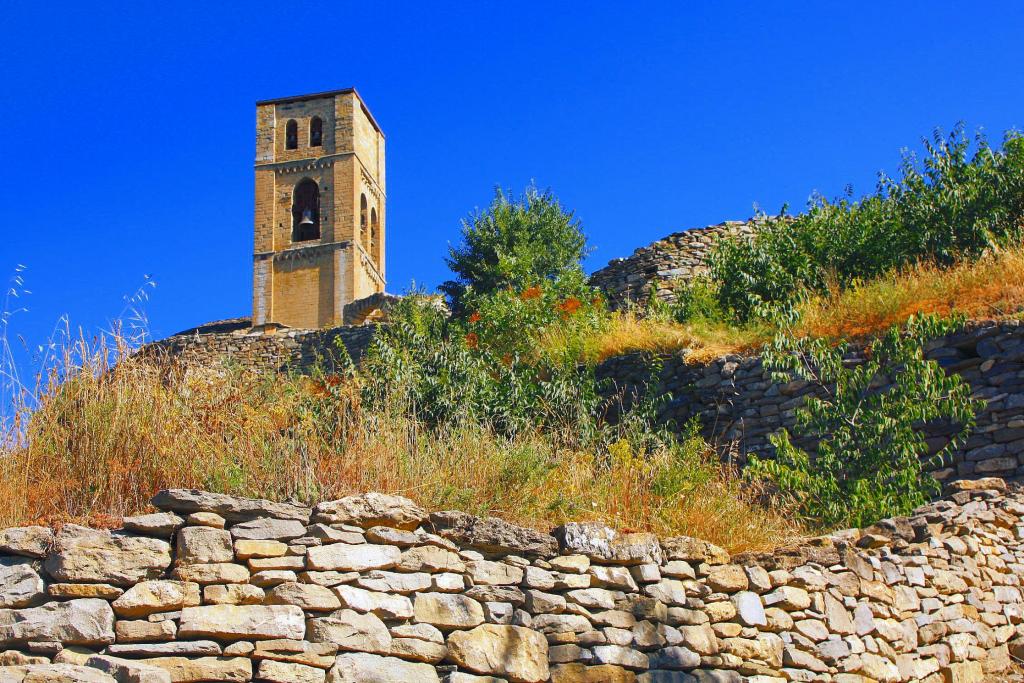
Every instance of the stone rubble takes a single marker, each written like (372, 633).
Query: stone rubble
(372, 589)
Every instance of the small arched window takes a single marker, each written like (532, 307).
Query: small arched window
(363, 222)
(316, 132)
(306, 211)
(374, 237)
(291, 135)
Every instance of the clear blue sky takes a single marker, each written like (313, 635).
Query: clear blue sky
(128, 127)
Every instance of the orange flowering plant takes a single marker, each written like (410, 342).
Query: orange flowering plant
(512, 322)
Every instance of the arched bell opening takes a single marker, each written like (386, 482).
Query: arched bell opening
(306, 211)
(291, 135)
(316, 132)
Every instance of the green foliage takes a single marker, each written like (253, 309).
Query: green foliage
(485, 368)
(519, 279)
(952, 204)
(868, 460)
(697, 300)
(769, 267)
(511, 323)
(514, 244)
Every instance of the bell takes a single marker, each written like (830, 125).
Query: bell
(307, 218)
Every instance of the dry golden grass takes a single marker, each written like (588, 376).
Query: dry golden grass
(992, 287)
(101, 442)
(627, 332)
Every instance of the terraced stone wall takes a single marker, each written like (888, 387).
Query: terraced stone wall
(738, 405)
(372, 589)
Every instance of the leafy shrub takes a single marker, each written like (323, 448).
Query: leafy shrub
(868, 461)
(514, 244)
(519, 279)
(954, 204)
(697, 300)
(487, 367)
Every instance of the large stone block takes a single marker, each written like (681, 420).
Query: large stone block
(161, 524)
(352, 558)
(242, 622)
(519, 654)
(30, 541)
(429, 558)
(267, 529)
(607, 545)
(186, 670)
(602, 673)
(53, 673)
(218, 572)
(351, 631)
(76, 622)
(231, 508)
(691, 549)
(727, 578)
(289, 672)
(492, 535)
(308, 596)
(233, 594)
(20, 584)
(448, 610)
(150, 597)
(319, 655)
(204, 545)
(360, 667)
(127, 671)
(370, 510)
(91, 556)
(384, 605)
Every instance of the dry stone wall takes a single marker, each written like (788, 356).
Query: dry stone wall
(373, 589)
(658, 268)
(738, 405)
(271, 350)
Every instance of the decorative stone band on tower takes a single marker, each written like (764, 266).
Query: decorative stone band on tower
(373, 589)
(320, 209)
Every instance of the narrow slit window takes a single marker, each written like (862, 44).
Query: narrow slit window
(363, 222)
(374, 237)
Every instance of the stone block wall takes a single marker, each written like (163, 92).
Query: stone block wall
(373, 589)
(738, 405)
(658, 268)
(271, 350)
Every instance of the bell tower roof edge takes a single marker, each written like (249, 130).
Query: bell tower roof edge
(325, 94)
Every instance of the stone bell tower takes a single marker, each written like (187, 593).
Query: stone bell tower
(320, 216)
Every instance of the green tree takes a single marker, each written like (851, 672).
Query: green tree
(514, 244)
(868, 461)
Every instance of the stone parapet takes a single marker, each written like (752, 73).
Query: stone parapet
(372, 588)
(266, 350)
